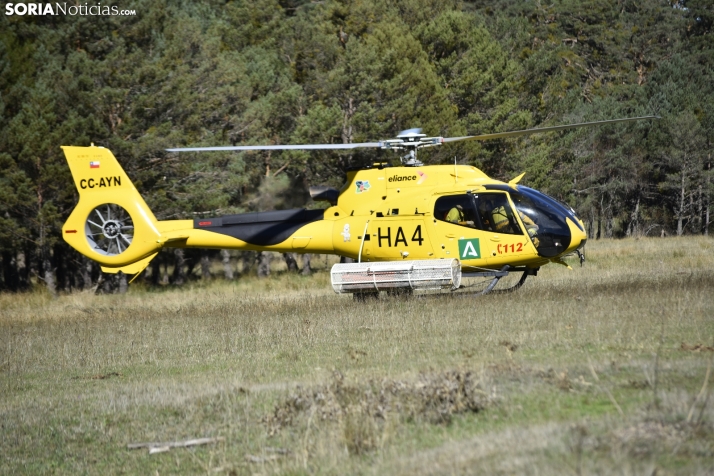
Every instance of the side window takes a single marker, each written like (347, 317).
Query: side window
(496, 214)
(457, 209)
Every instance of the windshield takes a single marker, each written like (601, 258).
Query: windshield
(544, 219)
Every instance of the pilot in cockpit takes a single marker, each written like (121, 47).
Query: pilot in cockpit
(496, 217)
(531, 227)
(456, 215)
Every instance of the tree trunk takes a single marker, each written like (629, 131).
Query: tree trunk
(680, 212)
(63, 280)
(107, 283)
(598, 235)
(155, 267)
(706, 222)
(165, 280)
(347, 132)
(264, 264)
(247, 259)
(86, 273)
(227, 268)
(123, 284)
(700, 209)
(147, 273)
(609, 220)
(633, 226)
(205, 265)
(708, 200)
(4, 269)
(49, 274)
(291, 262)
(306, 270)
(22, 272)
(179, 277)
(9, 271)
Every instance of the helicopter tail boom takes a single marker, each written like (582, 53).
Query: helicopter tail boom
(113, 225)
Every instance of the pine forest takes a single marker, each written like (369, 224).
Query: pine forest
(208, 73)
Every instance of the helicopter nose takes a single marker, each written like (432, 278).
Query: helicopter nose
(577, 237)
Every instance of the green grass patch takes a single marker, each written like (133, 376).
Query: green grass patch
(596, 369)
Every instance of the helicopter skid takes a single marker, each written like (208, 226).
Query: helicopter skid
(365, 280)
(497, 275)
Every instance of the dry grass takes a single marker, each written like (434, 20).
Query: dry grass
(595, 370)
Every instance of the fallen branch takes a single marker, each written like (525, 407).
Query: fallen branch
(261, 460)
(156, 447)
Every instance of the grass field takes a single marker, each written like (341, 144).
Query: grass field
(599, 370)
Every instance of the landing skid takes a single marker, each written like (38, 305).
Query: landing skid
(497, 275)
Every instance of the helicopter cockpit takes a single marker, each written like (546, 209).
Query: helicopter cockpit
(543, 217)
(553, 233)
(551, 217)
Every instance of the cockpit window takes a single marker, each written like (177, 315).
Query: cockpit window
(486, 211)
(554, 202)
(544, 220)
(496, 213)
(457, 209)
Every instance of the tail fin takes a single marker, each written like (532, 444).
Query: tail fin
(111, 224)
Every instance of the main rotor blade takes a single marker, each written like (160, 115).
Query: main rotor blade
(280, 147)
(499, 135)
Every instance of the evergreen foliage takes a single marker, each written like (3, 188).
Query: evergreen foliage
(289, 71)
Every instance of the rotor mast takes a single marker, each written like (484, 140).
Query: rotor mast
(411, 140)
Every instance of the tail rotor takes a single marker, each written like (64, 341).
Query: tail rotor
(109, 229)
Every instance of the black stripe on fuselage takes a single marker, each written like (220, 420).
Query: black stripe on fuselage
(261, 228)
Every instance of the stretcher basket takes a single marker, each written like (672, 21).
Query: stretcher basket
(433, 274)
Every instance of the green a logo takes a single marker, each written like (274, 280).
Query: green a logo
(469, 249)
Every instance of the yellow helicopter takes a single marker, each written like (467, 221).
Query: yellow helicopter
(408, 227)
